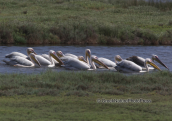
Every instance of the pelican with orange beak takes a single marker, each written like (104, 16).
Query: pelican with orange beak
(141, 61)
(106, 61)
(50, 62)
(13, 54)
(60, 54)
(46, 62)
(131, 67)
(23, 62)
(74, 63)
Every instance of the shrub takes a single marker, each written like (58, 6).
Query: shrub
(18, 39)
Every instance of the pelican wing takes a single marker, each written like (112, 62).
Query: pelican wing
(128, 67)
(13, 54)
(73, 62)
(18, 60)
(66, 58)
(72, 55)
(11, 62)
(47, 57)
(137, 60)
(107, 62)
(42, 60)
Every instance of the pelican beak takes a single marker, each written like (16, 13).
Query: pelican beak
(35, 60)
(59, 54)
(154, 65)
(82, 59)
(159, 61)
(56, 58)
(99, 62)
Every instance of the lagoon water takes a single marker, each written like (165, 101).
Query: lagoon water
(164, 53)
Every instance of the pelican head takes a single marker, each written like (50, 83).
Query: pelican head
(32, 56)
(118, 58)
(81, 58)
(87, 53)
(149, 61)
(53, 54)
(59, 53)
(96, 60)
(155, 57)
(30, 50)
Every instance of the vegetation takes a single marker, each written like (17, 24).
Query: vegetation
(67, 108)
(85, 22)
(72, 96)
(84, 83)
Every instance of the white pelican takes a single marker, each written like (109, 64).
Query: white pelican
(46, 56)
(107, 62)
(13, 54)
(50, 62)
(23, 62)
(60, 54)
(44, 61)
(130, 67)
(77, 64)
(140, 61)
(102, 60)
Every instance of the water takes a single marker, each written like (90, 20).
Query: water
(163, 52)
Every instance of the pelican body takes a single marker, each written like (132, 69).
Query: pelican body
(107, 62)
(127, 66)
(50, 63)
(93, 58)
(23, 62)
(13, 54)
(43, 61)
(46, 56)
(140, 61)
(60, 54)
(77, 64)
(74, 63)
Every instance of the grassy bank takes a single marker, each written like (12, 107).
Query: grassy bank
(84, 83)
(72, 96)
(67, 108)
(85, 22)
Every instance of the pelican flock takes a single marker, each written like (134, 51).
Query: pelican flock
(134, 64)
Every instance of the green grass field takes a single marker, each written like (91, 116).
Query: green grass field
(46, 108)
(73, 96)
(85, 22)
